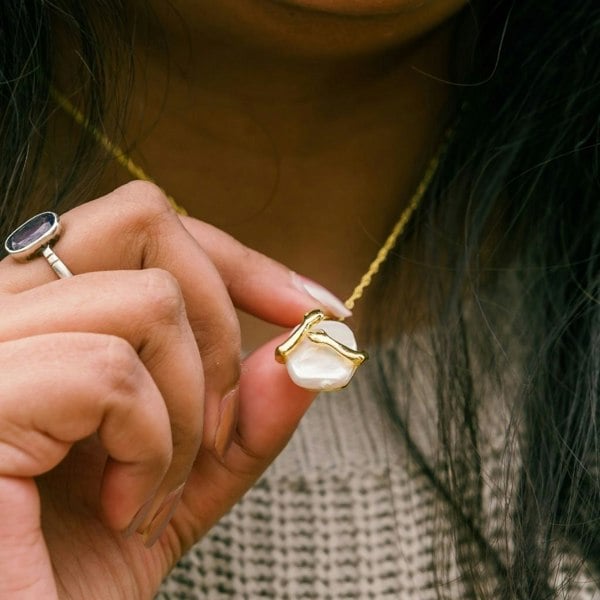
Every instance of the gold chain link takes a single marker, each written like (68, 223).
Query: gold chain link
(397, 231)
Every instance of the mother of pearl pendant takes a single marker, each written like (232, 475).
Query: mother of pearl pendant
(321, 353)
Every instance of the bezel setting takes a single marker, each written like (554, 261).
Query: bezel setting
(321, 353)
(33, 235)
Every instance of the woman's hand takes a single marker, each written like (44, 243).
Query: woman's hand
(128, 425)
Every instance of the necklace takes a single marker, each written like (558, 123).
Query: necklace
(321, 353)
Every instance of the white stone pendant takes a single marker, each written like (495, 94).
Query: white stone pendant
(321, 353)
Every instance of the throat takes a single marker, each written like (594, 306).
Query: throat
(313, 176)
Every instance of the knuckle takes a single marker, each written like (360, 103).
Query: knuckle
(149, 206)
(118, 366)
(163, 297)
(154, 198)
(148, 195)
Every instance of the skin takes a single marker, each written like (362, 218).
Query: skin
(127, 418)
(155, 404)
(297, 124)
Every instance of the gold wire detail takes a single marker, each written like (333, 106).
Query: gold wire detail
(319, 337)
(115, 151)
(312, 318)
(322, 338)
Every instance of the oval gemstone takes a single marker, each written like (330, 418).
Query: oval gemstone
(33, 232)
(318, 367)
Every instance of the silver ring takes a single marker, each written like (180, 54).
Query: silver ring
(34, 237)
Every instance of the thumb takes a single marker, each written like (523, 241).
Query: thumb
(270, 408)
(271, 405)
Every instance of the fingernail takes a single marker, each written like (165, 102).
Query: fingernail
(161, 519)
(323, 296)
(228, 415)
(138, 519)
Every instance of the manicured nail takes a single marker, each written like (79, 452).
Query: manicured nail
(139, 518)
(161, 519)
(324, 297)
(228, 415)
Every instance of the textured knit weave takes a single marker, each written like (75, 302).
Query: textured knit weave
(344, 512)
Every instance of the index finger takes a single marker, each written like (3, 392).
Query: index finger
(134, 227)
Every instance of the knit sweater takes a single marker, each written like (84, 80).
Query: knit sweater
(346, 512)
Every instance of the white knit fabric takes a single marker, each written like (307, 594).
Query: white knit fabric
(343, 513)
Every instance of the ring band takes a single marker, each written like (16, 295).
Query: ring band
(35, 237)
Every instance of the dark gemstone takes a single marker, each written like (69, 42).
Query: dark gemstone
(31, 231)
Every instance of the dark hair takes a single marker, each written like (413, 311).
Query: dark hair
(508, 250)
(508, 246)
(91, 42)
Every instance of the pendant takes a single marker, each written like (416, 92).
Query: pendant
(321, 353)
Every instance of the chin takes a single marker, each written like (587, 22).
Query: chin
(317, 28)
(359, 8)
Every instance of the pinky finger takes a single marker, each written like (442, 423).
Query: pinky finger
(103, 387)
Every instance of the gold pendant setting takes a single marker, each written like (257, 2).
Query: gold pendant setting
(321, 353)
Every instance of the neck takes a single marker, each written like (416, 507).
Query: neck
(309, 161)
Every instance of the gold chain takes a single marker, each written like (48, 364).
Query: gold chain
(115, 151)
(397, 231)
(134, 169)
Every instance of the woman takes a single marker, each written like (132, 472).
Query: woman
(301, 127)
